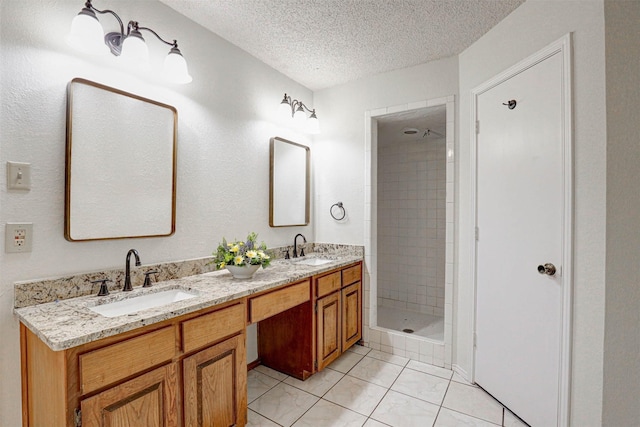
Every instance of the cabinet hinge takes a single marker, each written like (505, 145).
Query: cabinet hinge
(315, 363)
(477, 233)
(316, 308)
(475, 340)
(477, 126)
(77, 417)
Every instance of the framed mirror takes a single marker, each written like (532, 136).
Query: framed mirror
(120, 164)
(288, 183)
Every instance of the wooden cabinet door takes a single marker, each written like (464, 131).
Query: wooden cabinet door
(328, 329)
(149, 400)
(351, 315)
(215, 384)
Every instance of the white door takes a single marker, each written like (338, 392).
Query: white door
(520, 218)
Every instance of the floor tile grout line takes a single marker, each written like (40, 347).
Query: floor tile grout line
(440, 407)
(433, 375)
(311, 407)
(380, 422)
(270, 388)
(321, 397)
(378, 404)
(337, 404)
(386, 393)
(343, 376)
(469, 415)
(343, 407)
(263, 416)
(474, 416)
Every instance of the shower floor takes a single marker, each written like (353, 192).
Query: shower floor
(423, 325)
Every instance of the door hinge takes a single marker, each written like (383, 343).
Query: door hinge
(477, 233)
(77, 417)
(477, 126)
(475, 340)
(315, 364)
(316, 308)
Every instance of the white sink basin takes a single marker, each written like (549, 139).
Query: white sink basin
(142, 302)
(314, 261)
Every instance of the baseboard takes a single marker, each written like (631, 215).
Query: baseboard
(460, 371)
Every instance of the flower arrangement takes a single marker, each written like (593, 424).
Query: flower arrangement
(241, 253)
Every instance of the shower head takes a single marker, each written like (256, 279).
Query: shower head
(429, 132)
(426, 133)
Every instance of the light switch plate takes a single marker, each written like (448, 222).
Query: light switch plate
(18, 237)
(18, 176)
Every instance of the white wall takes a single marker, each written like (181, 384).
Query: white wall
(340, 149)
(622, 321)
(529, 28)
(225, 122)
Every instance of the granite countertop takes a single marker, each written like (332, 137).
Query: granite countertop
(69, 323)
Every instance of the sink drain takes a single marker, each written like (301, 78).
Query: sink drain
(407, 331)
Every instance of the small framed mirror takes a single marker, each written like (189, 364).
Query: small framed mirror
(288, 183)
(120, 164)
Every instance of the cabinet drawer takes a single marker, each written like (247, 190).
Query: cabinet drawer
(276, 302)
(351, 275)
(327, 284)
(212, 327)
(109, 364)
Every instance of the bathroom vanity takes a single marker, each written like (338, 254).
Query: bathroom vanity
(184, 363)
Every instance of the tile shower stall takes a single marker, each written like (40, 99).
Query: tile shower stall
(411, 233)
(412, 227)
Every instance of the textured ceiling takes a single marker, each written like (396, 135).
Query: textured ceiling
(323, 43)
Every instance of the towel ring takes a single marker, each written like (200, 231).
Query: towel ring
(341, 207)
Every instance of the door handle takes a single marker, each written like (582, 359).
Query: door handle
(548, 269)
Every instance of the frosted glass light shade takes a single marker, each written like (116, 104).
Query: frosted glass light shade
(313, 125)
(175, 67)
(86, 34)
(134, 49)
(284, 110)
(300, 117)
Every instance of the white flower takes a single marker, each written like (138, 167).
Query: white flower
(252, 254)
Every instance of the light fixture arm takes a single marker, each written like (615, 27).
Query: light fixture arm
(295, 104)
(88, 36)
(298, 103)
(92, 7)
(172, 44)
(114, 40)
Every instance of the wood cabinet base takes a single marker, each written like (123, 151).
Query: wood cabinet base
(149, 400)
(306, 338)
(139, 378)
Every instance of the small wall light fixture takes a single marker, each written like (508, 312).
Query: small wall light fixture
(87, 35)
(292, 108)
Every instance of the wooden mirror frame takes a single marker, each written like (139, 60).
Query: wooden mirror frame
(282, 178)
(120, 179)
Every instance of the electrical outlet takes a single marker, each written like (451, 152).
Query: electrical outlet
(18, 237)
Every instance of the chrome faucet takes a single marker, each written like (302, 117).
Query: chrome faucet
(127, 274)
(295, 245)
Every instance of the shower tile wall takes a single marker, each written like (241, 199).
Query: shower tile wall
(411, 225)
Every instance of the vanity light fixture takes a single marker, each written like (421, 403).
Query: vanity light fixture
(87, 35)
(292, 108)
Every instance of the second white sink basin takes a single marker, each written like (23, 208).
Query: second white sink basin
(142, 302)
(314, 261)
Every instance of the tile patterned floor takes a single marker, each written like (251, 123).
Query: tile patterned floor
(372, 389)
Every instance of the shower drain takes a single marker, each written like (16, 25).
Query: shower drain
(407, 331)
